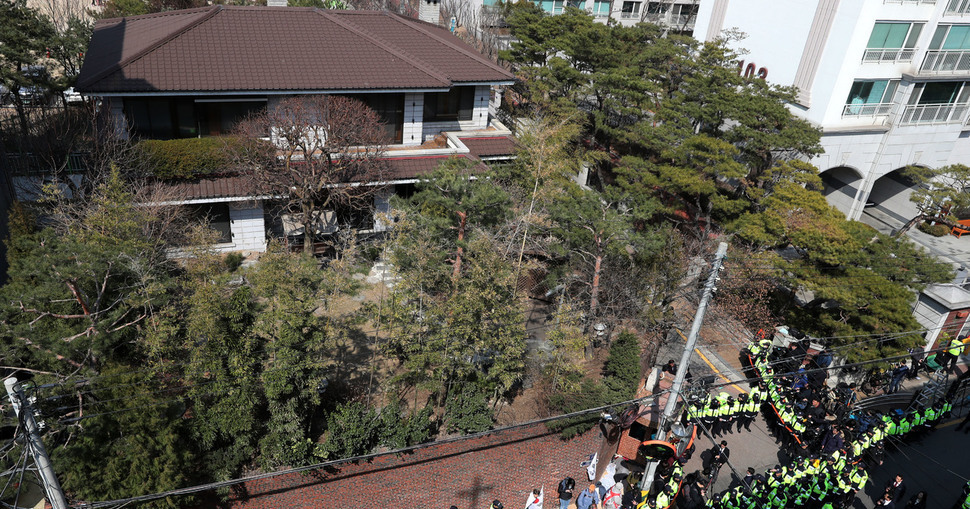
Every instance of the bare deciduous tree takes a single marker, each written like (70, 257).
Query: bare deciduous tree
(326, 152)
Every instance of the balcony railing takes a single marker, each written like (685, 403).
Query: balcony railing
(933, 113)
(672, 20)
(958, 7)
(944, 61)
(629, 15)
(888, 55)
(867, 110)
(909, 1)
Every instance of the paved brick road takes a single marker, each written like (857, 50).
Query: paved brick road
(469, 474)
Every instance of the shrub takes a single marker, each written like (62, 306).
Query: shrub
(588, 394)
(622, 368)
(189, 157)
(399, 431)
(468, 411)
(936, 230)
(232, 261)
(352, 429)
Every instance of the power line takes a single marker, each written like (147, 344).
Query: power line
(363, 457)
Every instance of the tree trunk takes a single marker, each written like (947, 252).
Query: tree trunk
(461, 237)
(909, 224)
(594, 299)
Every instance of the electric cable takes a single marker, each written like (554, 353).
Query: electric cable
(363, 457)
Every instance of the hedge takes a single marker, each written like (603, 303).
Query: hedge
(189, 158)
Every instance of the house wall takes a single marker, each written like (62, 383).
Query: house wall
(413, 121)
(931, 315)
(247, 226)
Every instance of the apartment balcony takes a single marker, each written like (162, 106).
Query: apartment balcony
(958, 8)
(866, 110)
(946, 62)
(874, 55)
(930, 114)
(677, 21)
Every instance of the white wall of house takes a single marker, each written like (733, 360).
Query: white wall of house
(413, 121)
(247, 226)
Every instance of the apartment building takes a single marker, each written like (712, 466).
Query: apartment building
(888, 81)
(678, 15)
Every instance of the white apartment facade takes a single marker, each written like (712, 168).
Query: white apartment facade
(888, 81)
(678, 15)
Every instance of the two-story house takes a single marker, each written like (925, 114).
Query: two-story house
(196, 72)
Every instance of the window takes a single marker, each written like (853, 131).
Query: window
(220, 117)
(937, 102)
(456, 104)
(177, 117)
(161, 118)
(949, 50)
(602, 8)
(390, 109)
(683, 14)
(870, 98)
(217, 217)
(892, 42)
(630, 10)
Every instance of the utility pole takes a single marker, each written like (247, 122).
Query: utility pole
(25, 412)
(695, 329)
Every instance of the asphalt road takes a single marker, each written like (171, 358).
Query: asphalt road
(938, 463)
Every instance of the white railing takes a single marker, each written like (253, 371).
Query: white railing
(909, 1)
(933, 113)
(673, 20)
(629, 15)
(867, 110)
(888, 54)
(946, 61)
(958, 7)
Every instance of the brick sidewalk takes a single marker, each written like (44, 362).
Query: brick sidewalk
(468, 474)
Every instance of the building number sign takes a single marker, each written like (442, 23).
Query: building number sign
(749, 70)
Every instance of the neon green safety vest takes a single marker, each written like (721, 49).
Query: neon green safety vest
(956, 346)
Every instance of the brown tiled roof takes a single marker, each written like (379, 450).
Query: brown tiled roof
(401, 168)
(276, 49)
(398, 168)
(490, 146)
(218, 187)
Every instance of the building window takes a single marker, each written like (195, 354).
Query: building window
(390, 109)
(630, 10)
(161, 118)
(892, 42)
(870, 98)
(683, 14)
(456, 104)
(949, 50)
(216, 215)
(217, 118)
(939, 102)
(602, 9)
(958, 7)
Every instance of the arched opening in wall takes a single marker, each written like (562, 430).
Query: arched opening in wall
(841, 186)
(888, 206)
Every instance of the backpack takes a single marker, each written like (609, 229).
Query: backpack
(824, 359)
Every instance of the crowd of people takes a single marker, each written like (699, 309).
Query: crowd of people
(831, 443)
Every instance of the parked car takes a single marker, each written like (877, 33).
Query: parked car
(72, 96)
(35, 95)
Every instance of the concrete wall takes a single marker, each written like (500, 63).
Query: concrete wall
(247, 226)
